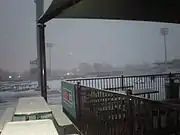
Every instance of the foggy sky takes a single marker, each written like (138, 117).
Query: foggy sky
(114, 42)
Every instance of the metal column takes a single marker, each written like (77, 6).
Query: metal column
(39, 12)
(42, 60)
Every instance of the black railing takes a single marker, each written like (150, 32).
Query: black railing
(118, 83)
(101, 108)
(17, 86)
(109, 113)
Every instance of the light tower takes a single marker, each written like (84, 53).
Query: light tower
(164, 32)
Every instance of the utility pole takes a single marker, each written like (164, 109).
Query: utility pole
(49, 46)
(164, 32)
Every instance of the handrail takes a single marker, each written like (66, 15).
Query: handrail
(134, 109)
(111, 77)
(100, 111)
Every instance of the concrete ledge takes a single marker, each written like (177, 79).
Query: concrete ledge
(61, 121)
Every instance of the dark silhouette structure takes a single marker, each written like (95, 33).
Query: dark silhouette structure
(149, 10)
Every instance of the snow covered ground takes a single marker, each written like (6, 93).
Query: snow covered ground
(10, 98)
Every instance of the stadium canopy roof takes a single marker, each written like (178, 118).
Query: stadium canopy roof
(142, 10)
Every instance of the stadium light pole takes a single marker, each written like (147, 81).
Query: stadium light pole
(164, 32)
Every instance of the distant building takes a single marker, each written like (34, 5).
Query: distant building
(84, 68)
(117, 73)
(171, 66)
(99, 74)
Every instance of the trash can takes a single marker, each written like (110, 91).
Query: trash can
(172, 87)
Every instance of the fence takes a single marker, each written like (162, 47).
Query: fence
(17, 86)
(110, 113)
(155, 82)
(95, 111)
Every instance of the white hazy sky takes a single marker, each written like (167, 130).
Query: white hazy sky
(114, 42)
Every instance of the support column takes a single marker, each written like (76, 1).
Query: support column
(39, 12)
(42, 60)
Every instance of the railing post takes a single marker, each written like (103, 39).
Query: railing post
(129, 92)
(170, 83)
(131, 121)
(122, 82)
(130, 112)
(78, 102)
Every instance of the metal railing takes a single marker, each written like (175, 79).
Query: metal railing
(117, 83)
(110, 113)
(17, 86)
(97, 107)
